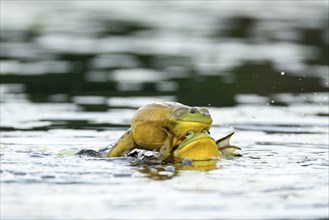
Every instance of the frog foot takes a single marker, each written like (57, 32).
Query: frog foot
(226, 148)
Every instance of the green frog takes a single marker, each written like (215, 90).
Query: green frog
(161, 127)
(202, 147)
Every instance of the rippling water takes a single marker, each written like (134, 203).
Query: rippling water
(73, 73)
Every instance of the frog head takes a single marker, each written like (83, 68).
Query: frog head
(196, 147)
(185, 118)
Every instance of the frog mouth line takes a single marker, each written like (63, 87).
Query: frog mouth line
(203, 119)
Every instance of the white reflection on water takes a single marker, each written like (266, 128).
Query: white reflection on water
(34, 68)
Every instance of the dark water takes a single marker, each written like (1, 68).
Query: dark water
(74, 72)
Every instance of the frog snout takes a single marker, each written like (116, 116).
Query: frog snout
(206, 114)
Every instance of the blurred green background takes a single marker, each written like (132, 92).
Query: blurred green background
(194, 52)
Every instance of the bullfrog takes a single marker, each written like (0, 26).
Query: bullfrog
(160, 127)
(201, 147)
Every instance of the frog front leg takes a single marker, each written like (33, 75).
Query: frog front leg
(166, 149)
(122, 146)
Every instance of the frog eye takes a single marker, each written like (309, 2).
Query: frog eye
(188, 134)
(193, 110)
(206, 132)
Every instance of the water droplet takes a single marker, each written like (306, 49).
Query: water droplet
(169, 168)
(267, 103)
(282, 73)
(300, 79)
(272, 101)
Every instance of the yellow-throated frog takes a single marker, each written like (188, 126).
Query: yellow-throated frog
(201, 146)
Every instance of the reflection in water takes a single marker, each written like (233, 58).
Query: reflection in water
(159, 172)
(164, 172)
(147, 164)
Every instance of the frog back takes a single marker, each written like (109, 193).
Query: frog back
(148, 125)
